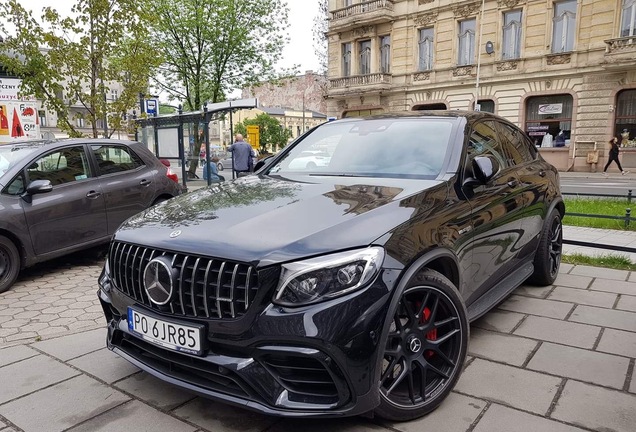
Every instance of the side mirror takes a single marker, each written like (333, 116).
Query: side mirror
(485, 168)
(263, 163)
(36, 187)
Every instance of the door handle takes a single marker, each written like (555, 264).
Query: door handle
(513, 183)
(93, 194)
(145, 182)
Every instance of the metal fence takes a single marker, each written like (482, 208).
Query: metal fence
(627, 218)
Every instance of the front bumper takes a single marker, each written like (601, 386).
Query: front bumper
(317, 361)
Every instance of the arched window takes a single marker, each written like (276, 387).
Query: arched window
(546, 116)
(430, 107)
(625, 123)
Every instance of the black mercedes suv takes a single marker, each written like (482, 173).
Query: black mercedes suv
(341, 288)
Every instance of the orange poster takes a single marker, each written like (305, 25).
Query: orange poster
(4, 120)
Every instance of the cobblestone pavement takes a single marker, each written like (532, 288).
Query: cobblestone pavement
(551, 359)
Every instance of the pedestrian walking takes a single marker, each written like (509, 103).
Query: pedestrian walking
(613, 156)
(241, 156)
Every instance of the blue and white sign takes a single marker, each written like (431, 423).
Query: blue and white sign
(152, 107)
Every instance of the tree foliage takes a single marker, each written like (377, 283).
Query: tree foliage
(321, 26)
(72, 61)
(211, 47)
(272, 133)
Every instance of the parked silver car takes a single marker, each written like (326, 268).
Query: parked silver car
(62, 196)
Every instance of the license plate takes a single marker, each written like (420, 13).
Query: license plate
(177, 337)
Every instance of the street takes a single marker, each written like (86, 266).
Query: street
(558, 358)
(597, 184)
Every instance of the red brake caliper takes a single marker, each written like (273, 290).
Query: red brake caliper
(431, 334)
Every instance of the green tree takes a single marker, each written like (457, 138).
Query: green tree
(211, 47)
(73, 61)
(272, 133)
(321, 26)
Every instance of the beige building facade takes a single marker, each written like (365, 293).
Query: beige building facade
(564, 71)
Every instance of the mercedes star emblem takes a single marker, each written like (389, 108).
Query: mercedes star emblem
(159, 280)
(415, 345)
(176, 233)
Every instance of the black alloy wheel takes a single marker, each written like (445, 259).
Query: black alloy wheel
(548, 258)
(9, 263)
(425, 348)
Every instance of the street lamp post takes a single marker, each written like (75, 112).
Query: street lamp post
(481, 31)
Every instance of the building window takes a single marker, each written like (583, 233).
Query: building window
(42, 118)
(365, 57)
(426, 49)
(511, 35)
(430, 107)
(628, 22)
(298, 131)
(547, 117)
(486, 105)
(563, 25)
(466, 42)
(362, 113)
(79, 121)
(385, 54)
(348, 3)
(346, 59)
(625, 123)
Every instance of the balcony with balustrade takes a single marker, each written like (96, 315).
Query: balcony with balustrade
(365, 13)
(354, 84)
(620, 53)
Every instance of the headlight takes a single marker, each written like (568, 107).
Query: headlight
(329, 276)
(104, 278)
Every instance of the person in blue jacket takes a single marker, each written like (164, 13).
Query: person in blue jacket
(211, 170)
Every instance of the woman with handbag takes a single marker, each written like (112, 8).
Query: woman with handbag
(613, 156)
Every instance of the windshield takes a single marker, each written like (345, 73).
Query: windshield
(403, 147)
(11, 155)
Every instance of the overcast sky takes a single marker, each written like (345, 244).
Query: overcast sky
(301, 19)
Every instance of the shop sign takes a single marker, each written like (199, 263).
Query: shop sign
(556, 108)
(9, 89)
(538, 128)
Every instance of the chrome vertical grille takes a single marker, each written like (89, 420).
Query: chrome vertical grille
(206, 287)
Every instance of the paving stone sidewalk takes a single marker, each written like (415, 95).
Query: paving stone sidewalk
(550, 359)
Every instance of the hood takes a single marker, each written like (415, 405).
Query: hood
(265, 220)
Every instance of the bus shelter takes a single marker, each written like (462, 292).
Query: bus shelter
(169, 136)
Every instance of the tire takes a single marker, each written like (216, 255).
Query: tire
(219, 166)
(9, 263)
(548, 257)
(425, 348)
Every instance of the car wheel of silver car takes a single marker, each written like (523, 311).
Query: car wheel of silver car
(425, 348)
(9, 263)
(548, 257)
(219, 166)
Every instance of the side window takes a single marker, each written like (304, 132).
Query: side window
(16, 187)
(484, 141)
(61, 166)
(515, 147)
(113, 159)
